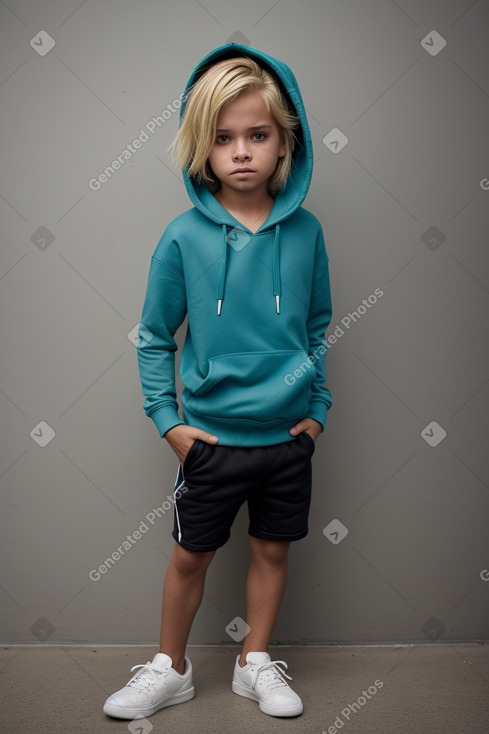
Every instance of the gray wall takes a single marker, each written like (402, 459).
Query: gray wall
(404, 209)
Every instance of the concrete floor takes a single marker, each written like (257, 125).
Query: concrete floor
(414, 689)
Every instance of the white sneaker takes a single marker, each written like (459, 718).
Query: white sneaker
(152, 688)
(262, 680)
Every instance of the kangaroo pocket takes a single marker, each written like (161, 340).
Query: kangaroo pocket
(252, 386)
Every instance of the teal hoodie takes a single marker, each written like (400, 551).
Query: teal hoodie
(258, 305)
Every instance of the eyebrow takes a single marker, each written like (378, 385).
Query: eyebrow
(255, 127)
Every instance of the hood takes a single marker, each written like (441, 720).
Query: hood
(290, 197)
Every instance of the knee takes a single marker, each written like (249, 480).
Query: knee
(271, 552)
(189, 562)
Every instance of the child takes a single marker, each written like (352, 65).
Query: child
(249, 267)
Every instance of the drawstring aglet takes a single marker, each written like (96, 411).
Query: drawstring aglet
(277, 301)
(219, 306)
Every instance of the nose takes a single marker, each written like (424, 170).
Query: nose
(241, 151)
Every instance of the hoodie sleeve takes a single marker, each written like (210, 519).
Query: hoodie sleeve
(319, 318)
(163, 312)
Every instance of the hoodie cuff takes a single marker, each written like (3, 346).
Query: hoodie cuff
(165, 418)
(318, 411)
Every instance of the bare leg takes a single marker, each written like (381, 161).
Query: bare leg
(182, 595)
(265, 588)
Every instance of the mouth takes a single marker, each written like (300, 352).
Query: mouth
(243, 170)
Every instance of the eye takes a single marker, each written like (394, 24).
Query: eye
(222, 139)
(261, 136)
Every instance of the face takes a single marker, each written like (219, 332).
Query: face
(247, 144)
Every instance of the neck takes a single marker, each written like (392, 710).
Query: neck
(250, 203)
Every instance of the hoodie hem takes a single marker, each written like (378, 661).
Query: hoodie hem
(241, 432)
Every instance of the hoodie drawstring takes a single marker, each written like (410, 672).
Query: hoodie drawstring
(222, 272)
(277, 284)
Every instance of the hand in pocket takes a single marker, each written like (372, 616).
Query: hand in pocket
(182, 437)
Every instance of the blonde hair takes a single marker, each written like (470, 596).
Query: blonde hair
(218, 86)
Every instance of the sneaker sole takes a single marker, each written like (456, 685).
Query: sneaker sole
(269, 710)
(120, 712)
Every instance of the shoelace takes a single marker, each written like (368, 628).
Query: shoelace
(272, 674)
(147, 675)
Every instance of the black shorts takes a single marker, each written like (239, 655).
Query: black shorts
(215, 481)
